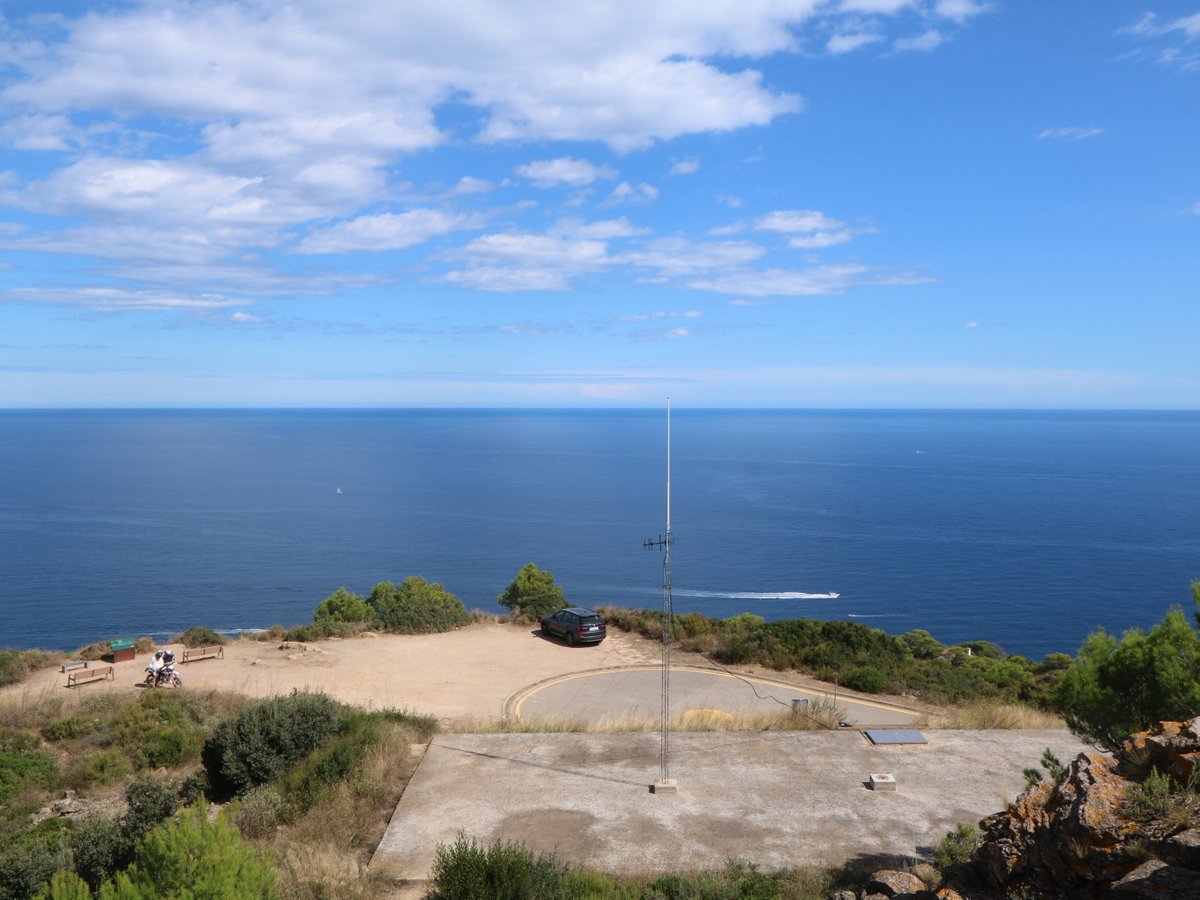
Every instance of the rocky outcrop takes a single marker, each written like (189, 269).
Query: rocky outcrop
(1079, 837)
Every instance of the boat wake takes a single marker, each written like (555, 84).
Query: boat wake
(753, 595)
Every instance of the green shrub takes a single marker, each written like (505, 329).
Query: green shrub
(1117, 688)
(200, 636)
(259, 743)
(344, 606)
(66, 886)
(465, 870)
(867, 679)
(150, 803)
(417, 606)
(70, 727)
(106, 767)
(207, 859)
(29, 861)
(259, 811)
(956, 847)
(922, 644)
(20, 769)
(163, 728)
(100, 847)
(533, 593)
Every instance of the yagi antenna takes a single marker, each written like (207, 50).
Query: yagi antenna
(665, 785)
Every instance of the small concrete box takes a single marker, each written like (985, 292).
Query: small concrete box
(883, 782)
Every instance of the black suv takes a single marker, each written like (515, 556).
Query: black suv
(576, 625)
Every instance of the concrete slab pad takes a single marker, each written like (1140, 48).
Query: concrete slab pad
(777, 799)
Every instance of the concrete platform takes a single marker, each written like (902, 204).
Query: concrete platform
(635, 692)
(777, 799)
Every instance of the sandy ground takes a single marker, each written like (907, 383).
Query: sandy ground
(461, 676)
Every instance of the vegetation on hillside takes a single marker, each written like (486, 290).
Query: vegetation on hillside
(859, 657)
(1118, 687)
(140, 769)
(533, 593)
(413, 607)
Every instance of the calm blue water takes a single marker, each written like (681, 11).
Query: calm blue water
(1027, 528)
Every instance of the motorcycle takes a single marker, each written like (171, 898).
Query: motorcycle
(166, 676)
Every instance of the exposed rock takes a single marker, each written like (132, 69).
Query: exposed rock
(893, 883)
(1158, 879)
(1074, 837)
(1184, 848)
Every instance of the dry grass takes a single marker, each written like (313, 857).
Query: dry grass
(29, 708)
(325, 852)
(986, 715)
(820, 718)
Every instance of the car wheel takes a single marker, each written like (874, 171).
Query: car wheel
(570, 638)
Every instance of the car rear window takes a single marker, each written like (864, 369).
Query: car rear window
(589, 620)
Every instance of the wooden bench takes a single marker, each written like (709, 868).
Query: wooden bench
(195, 653)
(83, 676)
(75, 664)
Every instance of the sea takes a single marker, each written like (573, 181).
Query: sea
(1026, 528)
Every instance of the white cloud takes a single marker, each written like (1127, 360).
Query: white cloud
(602, 230)
(386, 232)
(820, 240)
(679, 257)
(630, 193)
(959, 10)
(845, 43)
(1188, 26)
(887, 7)
(687, 166)
(1069, 133)
(37, 132)
(469, 185)
(816, 281)
(924, 42)
(522, 261)
(548, 173)
(970, 325)
(788, 221)
(1168, 43)
(107, 299)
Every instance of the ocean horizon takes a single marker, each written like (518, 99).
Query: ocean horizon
(1029, 528)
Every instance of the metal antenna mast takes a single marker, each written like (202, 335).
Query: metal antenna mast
(665, 785)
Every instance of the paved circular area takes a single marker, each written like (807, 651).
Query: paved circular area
(633, 694)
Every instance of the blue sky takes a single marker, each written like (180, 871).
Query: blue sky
(782, 203)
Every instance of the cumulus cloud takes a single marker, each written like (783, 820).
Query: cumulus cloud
(188, 146)
(633, 193)
(807, 229)
(548, 173)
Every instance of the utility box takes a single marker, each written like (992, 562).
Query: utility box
(122, 650)
(883, 782)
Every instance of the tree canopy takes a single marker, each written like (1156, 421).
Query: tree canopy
(344, 606)
(1118, 687)
(533, 592)
(417, 606)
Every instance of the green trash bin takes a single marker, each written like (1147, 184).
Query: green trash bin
(122, 650)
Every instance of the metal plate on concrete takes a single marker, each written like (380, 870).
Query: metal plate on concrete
(895, 736)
